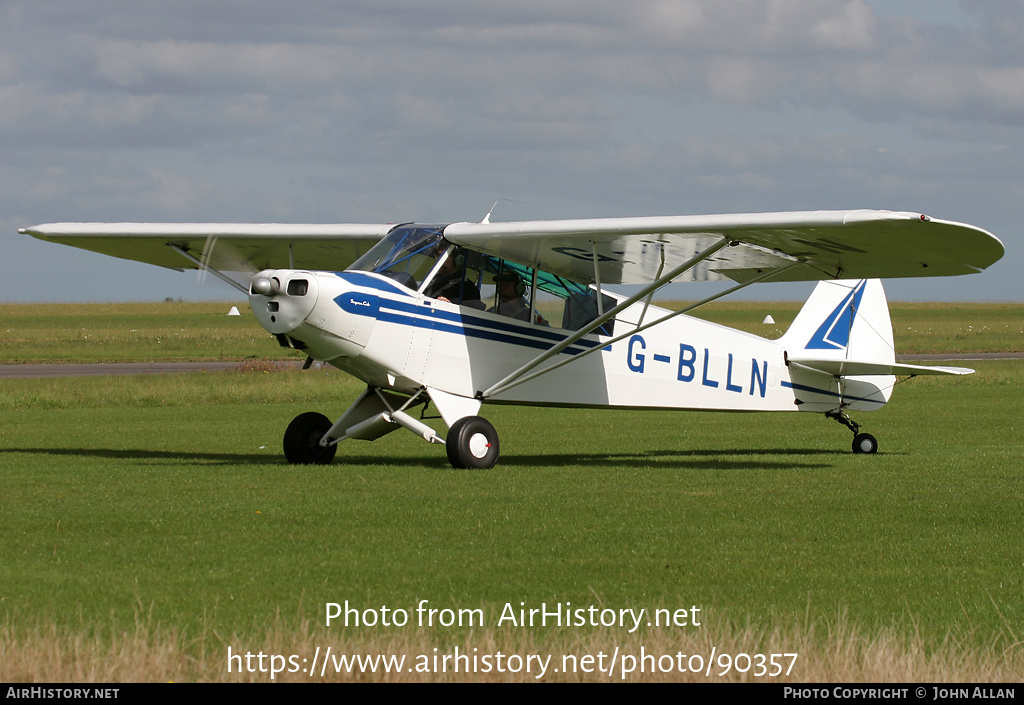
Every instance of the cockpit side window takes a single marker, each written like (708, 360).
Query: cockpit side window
(571, 305)
(546, 299)
(456, 279)
(421, 259)
(508, 290)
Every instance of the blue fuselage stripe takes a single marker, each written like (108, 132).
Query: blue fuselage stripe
(437, 325)
(419, 314)
(424, 316)
(462, 319)
(372, 282)
(826, 392)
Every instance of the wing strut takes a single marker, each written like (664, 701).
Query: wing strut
(597, 278)
(647, 303)
(206, 268)
(515, 382)
(600, 320)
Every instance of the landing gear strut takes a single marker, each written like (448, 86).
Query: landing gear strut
(862, 442)
(311, 438)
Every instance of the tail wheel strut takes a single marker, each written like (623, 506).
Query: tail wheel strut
(862, 442)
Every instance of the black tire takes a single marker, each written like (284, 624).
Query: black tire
(864, 443)
(472, 443)
(302, 440)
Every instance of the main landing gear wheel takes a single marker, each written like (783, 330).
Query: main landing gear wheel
(864, 443)
(302, 440)
(472, 443)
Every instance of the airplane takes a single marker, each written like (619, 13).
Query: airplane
(462, 314)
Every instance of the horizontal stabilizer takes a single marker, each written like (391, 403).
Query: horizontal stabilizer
(845, 368)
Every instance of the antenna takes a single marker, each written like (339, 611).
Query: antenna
(487, 218)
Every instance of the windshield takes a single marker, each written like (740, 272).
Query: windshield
(405, 255)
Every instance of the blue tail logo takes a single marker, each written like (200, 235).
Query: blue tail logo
(834, 333)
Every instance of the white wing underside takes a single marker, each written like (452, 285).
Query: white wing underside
(227, 246)
(829, 244)
(826, 244)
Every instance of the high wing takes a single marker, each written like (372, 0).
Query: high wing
(223, 246)
(827, 244)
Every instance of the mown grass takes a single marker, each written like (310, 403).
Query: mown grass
(132, 332)
(201, 331)
(917, 327)
(167, 496)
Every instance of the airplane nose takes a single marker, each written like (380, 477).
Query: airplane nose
(282, 299)
(304, 312)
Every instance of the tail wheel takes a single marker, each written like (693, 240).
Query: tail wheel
(472, 443)
(864, 443)
(302, 440)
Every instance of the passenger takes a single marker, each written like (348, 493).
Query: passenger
(511, 301)
(451, 286)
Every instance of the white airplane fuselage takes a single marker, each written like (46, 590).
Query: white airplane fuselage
(394, 338)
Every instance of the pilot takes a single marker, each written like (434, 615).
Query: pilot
(511, 301)
(451, 286)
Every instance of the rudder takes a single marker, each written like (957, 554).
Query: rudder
(843, 320)
(839, 347)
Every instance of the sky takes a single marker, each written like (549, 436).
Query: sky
(376, 111)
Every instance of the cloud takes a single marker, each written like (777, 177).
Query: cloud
(362, 110)
(746, 53)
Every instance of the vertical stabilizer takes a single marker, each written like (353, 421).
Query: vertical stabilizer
(843, 320)
(848, 321)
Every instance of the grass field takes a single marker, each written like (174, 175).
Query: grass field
(202, 331)
(150, 523)
(917, 327)
(129, 332)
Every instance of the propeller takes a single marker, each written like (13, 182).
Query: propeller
(219, 257)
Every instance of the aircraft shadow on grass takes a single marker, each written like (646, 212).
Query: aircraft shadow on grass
(151, 455)
(720, 459)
